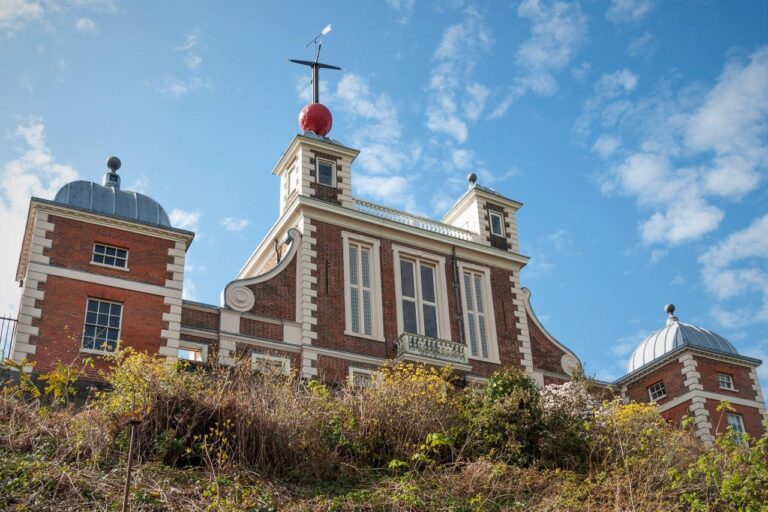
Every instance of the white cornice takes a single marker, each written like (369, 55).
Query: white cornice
(471, 195)
(327, 147)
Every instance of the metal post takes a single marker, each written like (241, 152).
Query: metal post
(134, 424)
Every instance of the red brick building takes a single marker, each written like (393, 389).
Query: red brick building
(336, 288)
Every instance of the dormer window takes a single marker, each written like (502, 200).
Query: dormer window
(497, 223)
(110, 256)
(325, 173)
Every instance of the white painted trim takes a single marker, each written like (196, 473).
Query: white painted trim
(710, 396)
(490, 316)
(119, 327)
(193, 345)
(375, 375)
(348, 356)
(233, 339)
(377, 316)
(318, 159)
(494, 213)
(104, 280)
(441, 287)
(191, 331)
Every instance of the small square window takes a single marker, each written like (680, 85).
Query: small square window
(725, 381)
(110, 256)
(497, 223)
(101, 329)
(657, 391)
(270, 364)
(193, 352)
(325, 174)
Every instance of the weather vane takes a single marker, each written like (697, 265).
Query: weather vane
(316, 65)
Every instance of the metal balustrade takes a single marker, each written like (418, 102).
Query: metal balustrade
(7, 328)
(432, 348)
(413, 220)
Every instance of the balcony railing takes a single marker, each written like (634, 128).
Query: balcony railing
(383, 212)
(7, 328)
(432, 348)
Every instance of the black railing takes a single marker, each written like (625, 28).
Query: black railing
(7, 330)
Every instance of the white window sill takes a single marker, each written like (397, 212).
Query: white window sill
(364, 336)
(658, 398)
(733, 390)
(484, 360)
(97, 352)
(125, 269)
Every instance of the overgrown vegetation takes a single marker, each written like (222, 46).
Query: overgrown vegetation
(233, 439)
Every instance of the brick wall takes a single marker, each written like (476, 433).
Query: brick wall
(670, 373)
(546, 355)
(276, 297)
(61, 325)
(262, 329)
(334, 370)
(709, 368)
(194, 317)
(753, 421)
(73, 242)
(677, 413)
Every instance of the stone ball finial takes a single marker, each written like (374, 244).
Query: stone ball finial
(669, 309)
(472, 179)
(113, 163)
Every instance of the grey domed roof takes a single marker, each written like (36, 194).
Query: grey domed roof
(673, 336)
(109, 199)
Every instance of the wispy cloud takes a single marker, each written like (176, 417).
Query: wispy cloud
(454, 97)
(185, 220)
(402, 7)
(86, 26)
(177, 86)
(626, 11)
(234, 223)
(642, 46)
(737, 267)
(34, 172)
(558, 30)
(693, 147)
(15, 14)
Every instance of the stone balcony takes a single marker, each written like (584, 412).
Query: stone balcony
(434, 351)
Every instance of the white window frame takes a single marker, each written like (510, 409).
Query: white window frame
(332, 163)
(377, 317)
(739, 422)
(374, 376)
(193, 346)
(651, 391)
(441, 287)
(286, 361)
(729, 380)
(490, 317)
(85, 322)
(107, 265)
(491, 215)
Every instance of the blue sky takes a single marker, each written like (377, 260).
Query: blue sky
(634, 131)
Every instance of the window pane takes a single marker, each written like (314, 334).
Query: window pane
(406, 279)
(99, 249)
(367, 311)
(479, 294)
(496, 228)
(90, 317)
(104, 307)
(430, 321)
(116, 308)
(93, 305)
(353, 264)
(409, 317)
(354, 301)
(111, 251)
(365, 265)
(109, 260)
(325, 173)
(483, 337)
(427, 283)
(121, 253)
(468, 293)
(98, 258)
(472, 332)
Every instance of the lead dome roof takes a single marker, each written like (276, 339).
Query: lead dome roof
(108, 198)
(673, 336)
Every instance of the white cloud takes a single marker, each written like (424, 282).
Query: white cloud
(560, 239)
(451, 103)
(402, 6)
(14, 14)
(141, 185)
(86, 26)
(34, 172)
(694, 147)
(677, 280)
(190, 42)
(606, 145)
(185, 220)
(193, 61)
(643, 45)
(558, 30)
(177, 87)
(625, 11)
(737, 267)
(234, 223)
